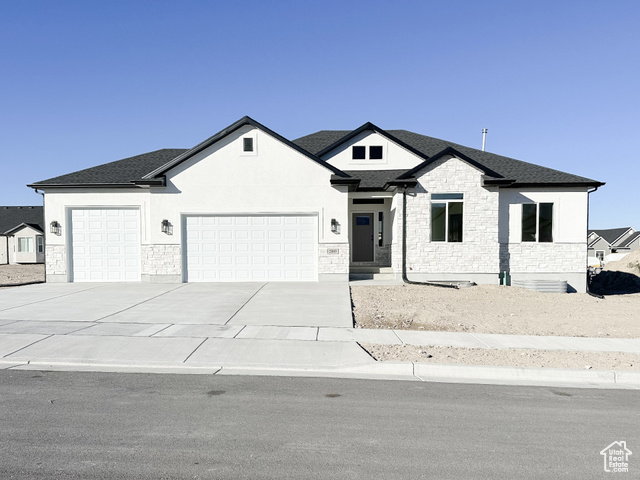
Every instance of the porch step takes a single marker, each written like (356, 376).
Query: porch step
(371, 273)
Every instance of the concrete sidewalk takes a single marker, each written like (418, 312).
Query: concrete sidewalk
(281, 350)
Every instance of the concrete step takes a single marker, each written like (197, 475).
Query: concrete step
(371, 273)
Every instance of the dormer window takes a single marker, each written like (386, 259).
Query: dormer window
(359, 153)
(375, 152)
(247, 144)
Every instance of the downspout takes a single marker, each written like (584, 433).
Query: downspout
(601, 297)
(404, 251)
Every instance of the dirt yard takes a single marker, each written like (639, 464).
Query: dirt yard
(504, 358)
(494, 309)
(507, 310)
(20, 274)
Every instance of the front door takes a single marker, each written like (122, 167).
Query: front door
(362, 232)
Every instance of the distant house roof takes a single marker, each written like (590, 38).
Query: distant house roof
(149, 168)
(611, 235)
(12, 217)
(628, 241)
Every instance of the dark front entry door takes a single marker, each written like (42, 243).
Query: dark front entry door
(362, 237)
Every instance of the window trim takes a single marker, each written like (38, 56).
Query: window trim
(29, 242)
(446, 198)
(600, 251)
(39, 243)
(367, 153)
(537, 231)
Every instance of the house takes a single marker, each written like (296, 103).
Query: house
(612, 244)
(250, 205)
(21, 235)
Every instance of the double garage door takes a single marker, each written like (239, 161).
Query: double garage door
(105, 247)
(251, 248)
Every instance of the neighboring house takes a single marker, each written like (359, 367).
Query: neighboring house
(612, 244)
(21, 235)
(249, 205)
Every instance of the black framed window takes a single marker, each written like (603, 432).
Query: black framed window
(537, 222)
(447, 217)
(247, 144)
(375, 152)
(359, 153)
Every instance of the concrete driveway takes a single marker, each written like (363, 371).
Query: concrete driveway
(264, 304)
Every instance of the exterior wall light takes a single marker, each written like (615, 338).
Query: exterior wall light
(55, 228)
(167, 228)
(335, 226)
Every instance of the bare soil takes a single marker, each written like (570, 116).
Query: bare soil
(495, 309)
(20, 274)
(504, 358)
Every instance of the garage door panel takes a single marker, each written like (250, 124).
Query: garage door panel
(107, 246)
(251, 248)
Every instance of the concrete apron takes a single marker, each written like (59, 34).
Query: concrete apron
(267, 304)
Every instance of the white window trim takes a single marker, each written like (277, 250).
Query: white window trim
(29, 244)
(553, 222)
(446, 219)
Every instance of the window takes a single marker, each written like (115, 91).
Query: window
(446, 217)
(368, 201)
(380, 228)
(359, 153)
(600, 255)
(25, 244)
(247, 144)
(375, 153)
(40, 242)
(537, 222)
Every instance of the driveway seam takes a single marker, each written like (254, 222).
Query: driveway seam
(27, 346)
(239, 331)
(161, 330)
(80, 329)
(195, 350)
(398, 337)
(50, 298)
(245, 303)
(485, 344)
(139, 303)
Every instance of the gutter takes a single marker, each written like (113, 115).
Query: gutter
(601, 297)
(404, 252)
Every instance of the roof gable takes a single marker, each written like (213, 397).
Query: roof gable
(612, 235)
(227, 131)
(450, 151)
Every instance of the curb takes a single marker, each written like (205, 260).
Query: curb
(407, 371)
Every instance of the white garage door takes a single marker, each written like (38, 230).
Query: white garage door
(251, 248)
(105, 245)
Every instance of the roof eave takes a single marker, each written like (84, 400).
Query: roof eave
(82, 185)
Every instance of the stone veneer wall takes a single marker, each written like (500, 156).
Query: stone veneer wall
(479, 251)
(531, 257)
(56, 262)
(333, 259)
(161, 260)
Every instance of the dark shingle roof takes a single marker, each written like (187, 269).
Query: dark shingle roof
(374, 179)
(632, 238)
(122, 171)
(522, 172)
(611, 234)
(11, 217)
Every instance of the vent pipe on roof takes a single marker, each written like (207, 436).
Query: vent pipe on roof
(484, 137)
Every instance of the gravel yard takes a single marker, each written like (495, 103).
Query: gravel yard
(20, 274)
(504, 358)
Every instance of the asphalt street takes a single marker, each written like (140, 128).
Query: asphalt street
(150, 426)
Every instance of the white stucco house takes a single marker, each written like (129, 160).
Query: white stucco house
(249, 205)
(21, 235)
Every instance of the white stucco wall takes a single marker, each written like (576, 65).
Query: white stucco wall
(394, 157)
(3, 250)
(222, 179)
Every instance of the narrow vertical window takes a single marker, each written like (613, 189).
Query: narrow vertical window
(40, 241)
(455, 222)
(545, 223)
(529, 222)
(438, 222)
(380, 228)
(247, 144)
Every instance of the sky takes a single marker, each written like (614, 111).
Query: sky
(555, 82)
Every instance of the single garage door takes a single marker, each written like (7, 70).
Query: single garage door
(251, 248)
(105, 245)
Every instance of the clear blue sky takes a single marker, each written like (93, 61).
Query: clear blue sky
(556, 82)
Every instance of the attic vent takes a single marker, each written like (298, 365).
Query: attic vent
(247, 144)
